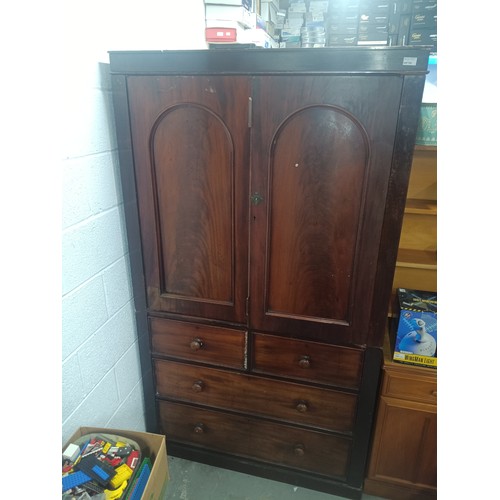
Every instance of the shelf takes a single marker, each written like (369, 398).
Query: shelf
(417, 259)
(422, 207)
(419, 147)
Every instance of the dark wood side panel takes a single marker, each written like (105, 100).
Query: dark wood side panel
(300, 449)
(124, 140)
(191, 148)
(290, 402)
(407, 125)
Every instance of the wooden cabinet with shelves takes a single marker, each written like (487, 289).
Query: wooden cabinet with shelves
(403, 458)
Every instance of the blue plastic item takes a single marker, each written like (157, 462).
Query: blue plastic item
(140, 485)
(74, 479)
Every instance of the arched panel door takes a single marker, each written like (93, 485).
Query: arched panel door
(191, 170)
(321, 165)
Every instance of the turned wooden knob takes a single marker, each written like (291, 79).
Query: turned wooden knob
(302, 406)
(196, 344)
(305, 362)
(199, 428)
(198, 386)
(434, 393)
(299, 450)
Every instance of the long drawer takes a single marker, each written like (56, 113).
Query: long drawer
(249, 437)
(311, 361)
(292, 402)
(196, 342)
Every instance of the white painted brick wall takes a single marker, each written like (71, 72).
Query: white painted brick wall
(101, 378)
(101, 374)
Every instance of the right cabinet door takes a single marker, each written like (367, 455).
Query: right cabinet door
(405, 445)
(321, 158)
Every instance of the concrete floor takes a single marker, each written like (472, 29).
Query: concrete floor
(194, 481)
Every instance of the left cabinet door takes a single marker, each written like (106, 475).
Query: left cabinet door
(191, 158)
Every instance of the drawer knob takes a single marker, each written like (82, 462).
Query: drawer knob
(198, 386)
(196, 344)
(199, 428)
(305, 362)
(299, 450)
(302, 406)
(434, 393)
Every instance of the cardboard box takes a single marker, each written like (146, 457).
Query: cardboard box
(230, 13)
(258, 37)
(153, 446)
(416, 337)
(335, 40)
(425, 36)
(239, 3)
(424, 19)
(269, 12)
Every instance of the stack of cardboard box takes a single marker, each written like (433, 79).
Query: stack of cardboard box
(423, 25)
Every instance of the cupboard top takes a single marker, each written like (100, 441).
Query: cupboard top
(341, 60)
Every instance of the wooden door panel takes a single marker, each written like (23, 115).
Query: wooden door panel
(194, 203)
(321, 162)
(405, 441)
(191, 161)
(314, 213)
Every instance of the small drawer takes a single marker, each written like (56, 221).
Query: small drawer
(311, 361)
(411, 383)
(286, 401)
(249, 437)
(197, 342)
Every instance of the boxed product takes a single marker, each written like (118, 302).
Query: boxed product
(416, 337)
(258, 37)
(238, 3)
(230, 13)
(427, 125)
(130, 464)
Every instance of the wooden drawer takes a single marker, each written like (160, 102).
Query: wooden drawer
(311, 361)
(196, 342)
(254, 438)
(291, 402)
(411, 383)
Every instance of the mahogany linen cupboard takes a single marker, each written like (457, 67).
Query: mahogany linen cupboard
(264, 192)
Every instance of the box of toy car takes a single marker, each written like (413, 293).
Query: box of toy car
(416, 337)
(150, 474)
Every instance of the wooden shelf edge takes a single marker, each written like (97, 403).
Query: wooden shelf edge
(417, 259)
(421, 147)
(422, 207)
